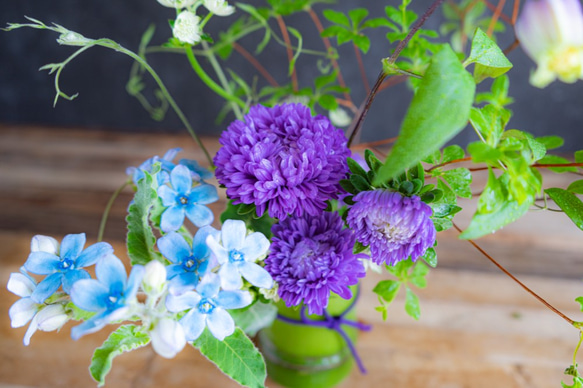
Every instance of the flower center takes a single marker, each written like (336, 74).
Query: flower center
(206, 306)
(67, 263)
(394, 233)
(183, 200)
(236, 256)
(567, 64)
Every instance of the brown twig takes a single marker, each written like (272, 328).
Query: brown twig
(450, 162)
(347, 104)
(513, 46)
(290, 53)
(534, 294)
(497, 14)
(392, 81)
(359, 119)
(362, 69)
(247, 55)
(390, 140)
(515, 11)
(493, 9)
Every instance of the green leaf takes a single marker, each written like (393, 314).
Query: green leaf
(490, 122)
(125, 339)
(362, 42)
(235, 356)
(551, 142)
(430, 257)
(140, 238)
(554, 159)
(489, 59)
(576, 187)
(484, 153)
(247, 213)
(579, 156)
(336, 17)
(452, 152)
(417, 277)
(77, 313)
(569, 203)
(446, 87)
(252, 319)
(459, 179)
(387, 289)
(359, 183)
(356, 168)
(412, 304)
(357, 15)
(580, 300)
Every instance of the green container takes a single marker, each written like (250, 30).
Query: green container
(302, 356)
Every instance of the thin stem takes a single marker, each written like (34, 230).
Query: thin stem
(262, 70)
(515, 11)
(534, 294)
(450, 162)
(365, 108)
(107, 209)
(577, 348)
(361, 67)
(493, 9)
(290, 53)
(495, 17)
(390, 140)
(548, 165)
(512, 46)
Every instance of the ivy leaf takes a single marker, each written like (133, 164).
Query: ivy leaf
(140, 238)
(235, 356)
(569, 203)
(254, 318)
(412, 304)
(445, 87)
(387, 289)
(126, 338)
(489, 59)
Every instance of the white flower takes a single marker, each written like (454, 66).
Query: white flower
(551, 33)
(219, 7)
(339, 117)
(186, 28)
(154, 280)
(168, 338)
(178, 4)
(47, 244)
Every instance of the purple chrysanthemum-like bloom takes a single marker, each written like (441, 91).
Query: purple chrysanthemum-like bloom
(311, 257)
(394, 226)
(283, 160)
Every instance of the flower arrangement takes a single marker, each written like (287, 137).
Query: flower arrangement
(307, 216)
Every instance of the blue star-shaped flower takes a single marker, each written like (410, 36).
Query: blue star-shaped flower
(184, 200)
(65, 267)
(189, 264)
(207, 308)
(109, 296)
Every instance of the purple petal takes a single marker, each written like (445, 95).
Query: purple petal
(256, 275)
(181, 179)
(172, 218)
(90, 295)
(220, 323)
(42, 263)
(199, 215)
(174, 247)
(93, 254)
(72, 245)
(72, 276)
(47, 287)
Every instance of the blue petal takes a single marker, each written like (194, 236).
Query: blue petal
(136, 276)
(22, 311)
(72, 245)
(183, 282)
(42, 263)
(93, 254)
(234, 299)
(47, 287)
(221, 254)
(72, 276)
(220, 323)
(230, 277)
(199, 247)
(181, 179)
(204, 194)
(172, 218)
(256, 275)
(167, 195)
(209, 286)
(171, 154)
(90, 295)
(197, 168)
(233, 234)
(177, 303)
(173, 270)
(199, 215)
(111, 273)
(174, 247)
(193, 324)
(255, 246)
(91, 325)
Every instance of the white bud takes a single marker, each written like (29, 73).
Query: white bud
(154, 280)
(168, 338)
(21, 284)
(186, 28)
(47, 244)
(339, 117)
(52, 317)
(179, 4)
(219, 7)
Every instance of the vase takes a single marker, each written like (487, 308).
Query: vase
(305, 351)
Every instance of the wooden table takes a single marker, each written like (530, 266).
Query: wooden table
(477, 329)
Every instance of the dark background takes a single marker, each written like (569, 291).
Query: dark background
(99, 75)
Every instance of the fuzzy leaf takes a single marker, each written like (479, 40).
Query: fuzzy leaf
(489, 59)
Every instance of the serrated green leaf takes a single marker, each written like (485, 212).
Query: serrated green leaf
(125, 339)
(254, 318)
(446, 86)
(336, 17)
(412, 304)
(569, 203)
(452, 152)
(489, 59)
(235, 356)
(551, 142)
(459, 180)
(430, 257)
(576, 187)
(140, 237)
(387, 289)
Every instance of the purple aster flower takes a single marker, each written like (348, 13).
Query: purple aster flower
(63, 267)
(182, 199)
(283, 160)
(311, 257)
(394, 226)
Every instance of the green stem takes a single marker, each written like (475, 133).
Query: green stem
(207, 80)
(577, 348)
(105, 215)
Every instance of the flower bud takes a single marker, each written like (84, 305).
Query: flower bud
(219, 7)
(52, 317)
(41, 243)
(154, 280)
(186, 28)
(179, 4)
(168, 338)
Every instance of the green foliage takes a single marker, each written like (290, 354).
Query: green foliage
(446, 87)
(488, 58)
(235, 356)
(490, 122)
(248, 214)
(125, 339)
(140, 238)
(255, 317)
(569, 203)
(76, 313)
(498, 94)
(576, 187)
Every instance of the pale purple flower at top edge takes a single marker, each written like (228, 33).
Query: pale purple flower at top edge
(237, 253)
(189, 262)
(311, 257)
(551, 33)
(182, 199)
(65, 267)
(110, 296)
(208, 307)
(394, 226)
(283, 160)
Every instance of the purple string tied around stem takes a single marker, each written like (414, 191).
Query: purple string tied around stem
(335, 323)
